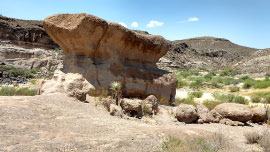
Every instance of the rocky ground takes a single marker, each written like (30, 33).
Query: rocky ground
(59, 123)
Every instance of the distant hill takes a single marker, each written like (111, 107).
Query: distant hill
(207, 52)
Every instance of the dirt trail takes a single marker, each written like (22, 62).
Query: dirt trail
(59, 123)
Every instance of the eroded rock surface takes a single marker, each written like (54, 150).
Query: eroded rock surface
(104, 52)
(72, 84)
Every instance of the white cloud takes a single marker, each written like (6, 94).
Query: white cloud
(123, 24)
(134, 24)
(154, 23)
(191, 19)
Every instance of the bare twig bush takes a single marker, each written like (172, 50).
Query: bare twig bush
(253, 137)
(264, 142)
(212, 143)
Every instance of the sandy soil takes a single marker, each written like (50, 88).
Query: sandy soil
(59, 123)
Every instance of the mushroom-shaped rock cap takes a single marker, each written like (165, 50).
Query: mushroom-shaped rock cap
(87, 35)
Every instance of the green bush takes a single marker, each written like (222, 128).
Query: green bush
(267, 75)
(188, 100)
(240, 100)
(12, 91)
(196, 94)
(185, 74)
(244, 78)
(181, 83)
(256, 99)
(208, 77)
(16, 72)
(234, 89)
(196, 84)
(228, 81)
(211, 104)
(230, 98)
(228, 72)
(267, 99)
(261, 84)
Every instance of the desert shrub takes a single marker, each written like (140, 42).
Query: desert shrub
(244, 78)
(196, 84)
(211, 104)
(29, 74)
(234, 89)
(217, 80)
(147, 111)
(228, 72)
(188, 100)
(228, 81)
(230, 98)
(186, 74)
(210, 143)
(6, 67)
(247, 85)
(267, 75)
(33, 81)
(252, 137)
(16, 72)
(215, 85)
(12, 91)
(208, 77)
(181, 83)
(195, 72)
(240, 100)
(196, 94)
(267, 99)
(261, 84)
(256, 99)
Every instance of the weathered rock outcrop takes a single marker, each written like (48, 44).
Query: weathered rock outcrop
(73, 84)
(104, 52)
(25, 32)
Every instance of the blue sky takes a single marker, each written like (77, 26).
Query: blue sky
(245, 22)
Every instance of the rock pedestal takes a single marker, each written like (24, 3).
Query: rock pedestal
(104, 52)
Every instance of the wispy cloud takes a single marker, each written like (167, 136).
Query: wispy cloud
(123, 24)
(191, 19)
(154, 24)
(135, 24)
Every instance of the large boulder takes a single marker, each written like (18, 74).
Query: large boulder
(259, 114)
(104, 52)
(132, 107)
(234, 111)
(72, 84)
(186, 113)
(151, 103)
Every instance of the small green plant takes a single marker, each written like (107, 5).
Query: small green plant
(267, 99)
(33, 81)
(196, 94)
(116, 91)
(244, 78)
(208, 77)
(234, 89)
(211, 104)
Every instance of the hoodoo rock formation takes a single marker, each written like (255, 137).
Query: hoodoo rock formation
(104, 52)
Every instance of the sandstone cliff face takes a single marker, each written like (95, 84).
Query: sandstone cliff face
(104, 52)
(25, 32)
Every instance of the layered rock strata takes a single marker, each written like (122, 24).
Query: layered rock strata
(104, 52)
